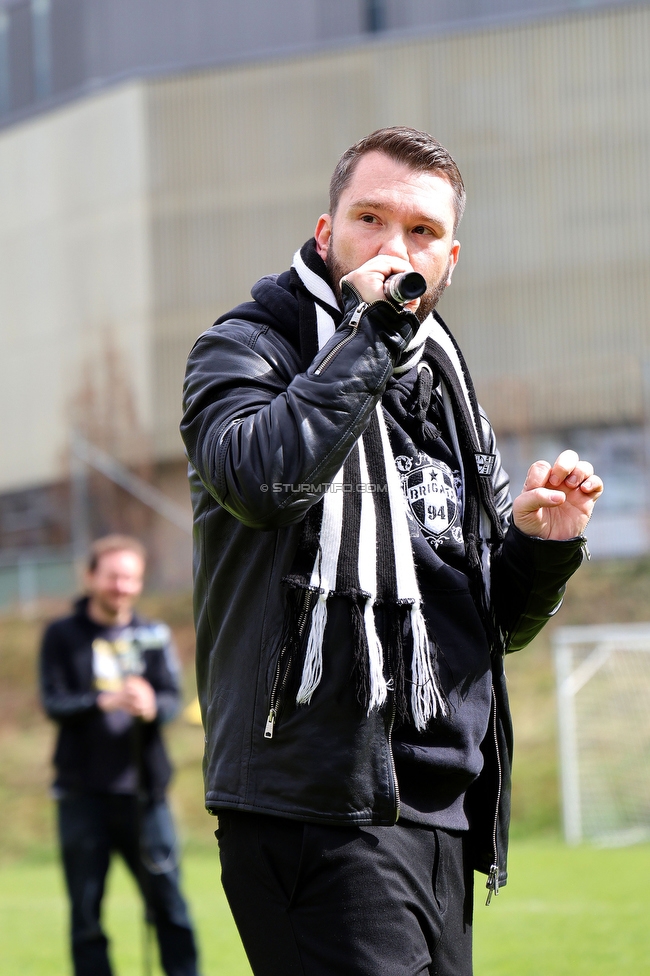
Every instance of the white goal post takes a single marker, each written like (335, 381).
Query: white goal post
(603, 690)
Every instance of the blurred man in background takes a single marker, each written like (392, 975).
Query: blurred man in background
(110, 680)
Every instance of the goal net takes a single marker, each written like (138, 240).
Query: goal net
(603, 681)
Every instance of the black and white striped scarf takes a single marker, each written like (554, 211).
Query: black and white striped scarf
(356, 542)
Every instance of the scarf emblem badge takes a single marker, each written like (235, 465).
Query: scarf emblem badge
(431, 489)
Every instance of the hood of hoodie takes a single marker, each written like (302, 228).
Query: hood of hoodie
(276, 295)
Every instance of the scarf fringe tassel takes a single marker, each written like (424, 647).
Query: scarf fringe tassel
(378, 688)
(427, 700)
(313, 666)
(426, 697)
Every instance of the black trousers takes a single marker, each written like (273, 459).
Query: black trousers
(314, 900)
(91, 827)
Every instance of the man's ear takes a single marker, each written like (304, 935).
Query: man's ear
(323, 234)
(453, 260)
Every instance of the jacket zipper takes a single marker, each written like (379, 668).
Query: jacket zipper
(391, 685)
(392, 760)
(226, 428)
(354, 326)
(280, 678)
(492, 883)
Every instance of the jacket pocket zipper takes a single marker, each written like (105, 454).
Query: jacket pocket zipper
(282, 671)
(492, 883)
(392, 758)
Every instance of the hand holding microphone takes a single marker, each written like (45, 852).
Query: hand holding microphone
(404, 287)
(382, 278)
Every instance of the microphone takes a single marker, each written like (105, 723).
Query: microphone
(404, 287)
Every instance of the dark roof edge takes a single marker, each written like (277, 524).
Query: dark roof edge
(174, 69)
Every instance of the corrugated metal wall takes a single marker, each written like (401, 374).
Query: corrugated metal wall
(552, 301)
(550, 125)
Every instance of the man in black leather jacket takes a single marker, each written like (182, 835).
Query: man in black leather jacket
(360, 571)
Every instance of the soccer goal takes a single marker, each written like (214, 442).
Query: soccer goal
(603, 683)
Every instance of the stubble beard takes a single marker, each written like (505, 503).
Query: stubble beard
(428, 301)
(113, 607)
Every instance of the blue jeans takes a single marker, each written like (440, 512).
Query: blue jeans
(91, 827)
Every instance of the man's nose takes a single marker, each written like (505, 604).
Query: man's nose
(394, 244)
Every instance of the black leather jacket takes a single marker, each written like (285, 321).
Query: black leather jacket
(258, 415)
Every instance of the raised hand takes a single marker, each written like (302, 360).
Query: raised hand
(140, 698)
(557, 500)
(136, 696)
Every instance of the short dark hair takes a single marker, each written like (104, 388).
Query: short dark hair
(114, 543)
(412, 147)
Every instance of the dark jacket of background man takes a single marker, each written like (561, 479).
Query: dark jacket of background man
(94, 753)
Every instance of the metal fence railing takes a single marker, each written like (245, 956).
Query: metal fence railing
(32, 574)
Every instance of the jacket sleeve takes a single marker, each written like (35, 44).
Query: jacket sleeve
(529, 574)
(264, 438)
(62, 699)
(529, 578)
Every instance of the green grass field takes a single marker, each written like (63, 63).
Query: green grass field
(580, 912)
(33, 919)
(567, 912)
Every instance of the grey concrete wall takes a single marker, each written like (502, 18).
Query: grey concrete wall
(75, 299)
